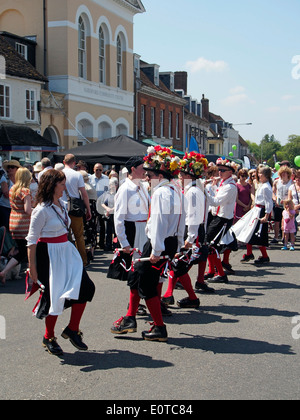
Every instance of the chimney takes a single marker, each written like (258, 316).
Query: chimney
(181, 81)
(205, 107)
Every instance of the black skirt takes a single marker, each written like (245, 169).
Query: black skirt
(116, 269)
(87, 288)
(260, 236)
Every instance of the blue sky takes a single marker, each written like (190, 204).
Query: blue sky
(238, 53)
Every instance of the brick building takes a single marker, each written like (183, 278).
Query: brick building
(159, 110)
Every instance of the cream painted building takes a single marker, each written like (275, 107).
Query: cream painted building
(85, 48)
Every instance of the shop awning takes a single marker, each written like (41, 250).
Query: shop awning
(23, 139)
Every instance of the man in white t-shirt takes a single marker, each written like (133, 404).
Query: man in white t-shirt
(75, 188)
(100, 182)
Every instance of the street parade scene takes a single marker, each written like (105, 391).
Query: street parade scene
(148, 253)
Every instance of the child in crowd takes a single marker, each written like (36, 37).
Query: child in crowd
(288, 224)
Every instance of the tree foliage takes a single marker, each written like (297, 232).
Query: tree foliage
(270, 148)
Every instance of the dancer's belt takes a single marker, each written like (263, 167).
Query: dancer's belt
(56, 240)
(260, 206)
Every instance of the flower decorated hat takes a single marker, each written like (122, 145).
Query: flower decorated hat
(193, 164)
(161, 159)
(225, 163)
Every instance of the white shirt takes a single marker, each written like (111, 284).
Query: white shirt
(264, 196)
(74, 181)
(43, 171)
(222, 198)
(167, 216)
(131, 205)
(100, 184)
(45, 223)
(194, 210)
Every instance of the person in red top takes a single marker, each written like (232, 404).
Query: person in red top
(19, 221)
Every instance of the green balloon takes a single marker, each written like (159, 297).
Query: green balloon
(297, 161)
(234, 147)
(230, 154)
(277, 166)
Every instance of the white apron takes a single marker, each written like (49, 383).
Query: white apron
(65, 275)
(246, 226)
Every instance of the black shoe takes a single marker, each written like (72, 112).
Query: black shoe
(228, 268)
(179, 286)
(262, 260)
(141, 310)
(188, 303)
(247, 258)
(209, 276)
(75, 337)
(219, 279)
(124, 325)
(164, 309)
(168, 300)
(156, 334)
(52, 346)
(202, 287)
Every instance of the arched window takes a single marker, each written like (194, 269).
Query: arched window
(81, 49)
(119, 64)
(102, 61)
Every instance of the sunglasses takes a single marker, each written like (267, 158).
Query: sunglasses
(224, 170)
(12, 167)
(99, 170)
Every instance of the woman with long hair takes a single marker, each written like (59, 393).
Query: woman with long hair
(56, 263)
(20, 203)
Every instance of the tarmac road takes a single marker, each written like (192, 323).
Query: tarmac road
(240, 344)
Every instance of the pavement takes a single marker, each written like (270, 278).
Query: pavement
(242, 343)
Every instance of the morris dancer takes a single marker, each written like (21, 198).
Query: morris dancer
(192, 167)
(56, 263)
(130, 218)
(222, 200)
(165, 231)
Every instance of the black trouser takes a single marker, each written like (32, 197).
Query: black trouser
(146, 275)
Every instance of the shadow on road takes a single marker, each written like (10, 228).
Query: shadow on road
(112, 359)
(229, 345)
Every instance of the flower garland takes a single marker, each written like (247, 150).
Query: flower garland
(162, 159)
(194, 164)
(225, 162)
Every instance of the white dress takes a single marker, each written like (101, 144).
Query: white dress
(65, 272)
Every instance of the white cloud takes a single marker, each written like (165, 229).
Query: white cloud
(237, 96)
(207, 65)
(294, 108)
(287, 97)
(273, 109)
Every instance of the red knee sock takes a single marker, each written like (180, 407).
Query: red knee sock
(186, 282)
(211, 264)
(155, 310)
(249, 249)
(50, 322)
(263, 250)
(218, 264)
(171, 285)
(76, 315)
(201, 271)
(226, 256)
(134, 301)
